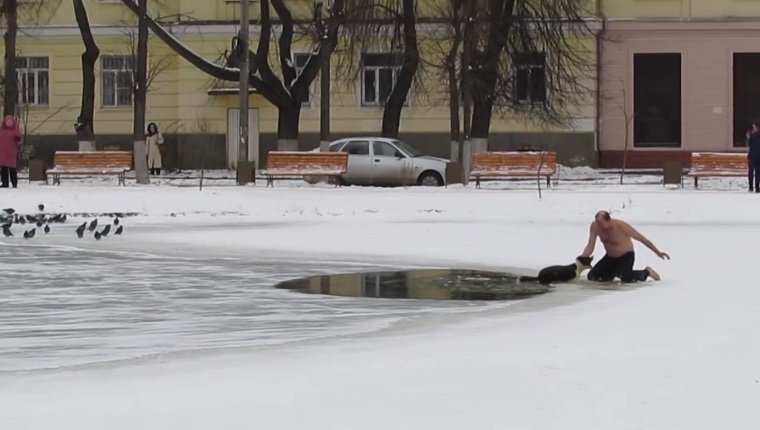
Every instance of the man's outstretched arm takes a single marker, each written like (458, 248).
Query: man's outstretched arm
(648, 243)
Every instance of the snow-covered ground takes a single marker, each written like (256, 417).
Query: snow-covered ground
(682, 353)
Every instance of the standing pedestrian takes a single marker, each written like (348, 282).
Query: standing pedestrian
(10, 141)
(154, 140)
(753, 157)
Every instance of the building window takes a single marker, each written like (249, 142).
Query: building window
(657, 100)
(118, 71)
(746, 94)
(299, 62)
(379, 75)
(530, 78)
(33, 80)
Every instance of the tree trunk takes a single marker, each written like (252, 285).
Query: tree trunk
(397, 98)
(468, 46)
(482, 106)
(11, 80)
(501, 17)
(324, 105)
(454, 87)
(84, 126)
(141, 87)
(455, 131)
(287, 127)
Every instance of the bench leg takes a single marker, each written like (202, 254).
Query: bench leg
(548, 182)
(57, 180)
(477, 182)
(270, 181)
(696, 183)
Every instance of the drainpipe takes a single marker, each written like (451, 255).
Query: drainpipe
(599, 56)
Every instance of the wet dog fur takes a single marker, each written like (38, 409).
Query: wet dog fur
(561, 273)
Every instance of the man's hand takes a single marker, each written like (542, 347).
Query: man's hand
(663, 255)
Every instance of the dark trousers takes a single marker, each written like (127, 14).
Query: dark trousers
(5, 172)
(608, 268)
(155, 171)
(754, 173)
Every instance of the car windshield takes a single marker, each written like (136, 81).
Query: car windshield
(406, 148)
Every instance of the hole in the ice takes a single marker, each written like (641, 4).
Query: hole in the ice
(436, 284)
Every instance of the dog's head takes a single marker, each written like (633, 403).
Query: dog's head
(584, 261)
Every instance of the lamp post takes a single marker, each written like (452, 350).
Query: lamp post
(244, 167)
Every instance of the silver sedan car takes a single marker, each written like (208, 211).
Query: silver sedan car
(384, 161)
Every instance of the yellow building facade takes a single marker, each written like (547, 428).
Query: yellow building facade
(199, 115)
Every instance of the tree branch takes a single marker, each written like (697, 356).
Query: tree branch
(215, 70)
(285, 43)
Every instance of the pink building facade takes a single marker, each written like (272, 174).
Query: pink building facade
(668, 88)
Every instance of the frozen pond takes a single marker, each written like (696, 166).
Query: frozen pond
(65, 306)
(429, 284)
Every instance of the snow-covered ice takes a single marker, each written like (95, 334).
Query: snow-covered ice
(681, 353)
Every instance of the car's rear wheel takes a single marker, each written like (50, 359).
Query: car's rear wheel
(430, 179)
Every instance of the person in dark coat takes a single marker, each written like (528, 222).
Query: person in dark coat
(10, 140)
(753, 157)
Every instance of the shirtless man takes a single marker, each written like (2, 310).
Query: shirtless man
(616, 237)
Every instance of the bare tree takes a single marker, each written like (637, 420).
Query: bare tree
(140, 85)
(10, 84)
(13, 11)
(452, 67)
(529, 59)
(143, 76)
(84, 126)
(622, 103)
(389, 26)
(287, 92)
(446, 52)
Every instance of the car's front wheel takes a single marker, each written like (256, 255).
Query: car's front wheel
(430, 179)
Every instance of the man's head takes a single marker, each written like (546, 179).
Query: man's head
(603, 219)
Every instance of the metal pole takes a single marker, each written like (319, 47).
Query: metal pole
(244, 72)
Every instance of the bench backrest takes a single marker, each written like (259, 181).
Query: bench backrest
(516, 161)
(93, 159)
(719, 162)
(307, 160)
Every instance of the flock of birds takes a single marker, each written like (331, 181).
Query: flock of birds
(9, 217)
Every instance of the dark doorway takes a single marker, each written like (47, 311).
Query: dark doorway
(657, 100)
(746, 94)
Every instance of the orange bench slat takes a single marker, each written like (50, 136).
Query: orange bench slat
(514, 163)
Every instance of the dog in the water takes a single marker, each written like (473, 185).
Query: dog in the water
(560, 273)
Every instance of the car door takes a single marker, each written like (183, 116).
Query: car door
(388, 164)
(359, 169)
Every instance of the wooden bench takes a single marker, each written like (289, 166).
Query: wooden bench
(513, 164)
(297, 164)
(116, 163)
(722, 164)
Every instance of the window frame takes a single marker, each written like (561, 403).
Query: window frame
(527, 61)
(394, 60)
(26, 69)
(124, 70)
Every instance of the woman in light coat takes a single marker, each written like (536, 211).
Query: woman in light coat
(154, 140)
(10, 140)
